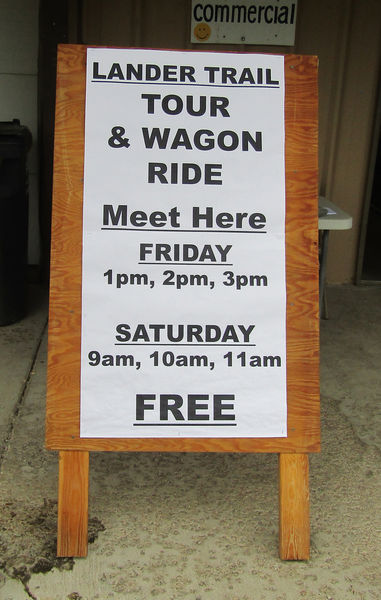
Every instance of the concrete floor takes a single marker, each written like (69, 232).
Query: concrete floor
(199, 527)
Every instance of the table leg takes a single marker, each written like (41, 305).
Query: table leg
(323, 266)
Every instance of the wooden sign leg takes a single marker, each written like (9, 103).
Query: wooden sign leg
(73, 496)
(294, 513)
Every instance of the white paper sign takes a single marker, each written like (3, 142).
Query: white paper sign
(183, 302)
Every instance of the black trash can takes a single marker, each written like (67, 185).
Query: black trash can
(15, 141)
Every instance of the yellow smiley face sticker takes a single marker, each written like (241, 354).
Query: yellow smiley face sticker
(202, 31)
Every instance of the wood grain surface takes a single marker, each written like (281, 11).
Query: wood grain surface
(63, 392)
(73, 493)
(294, 515)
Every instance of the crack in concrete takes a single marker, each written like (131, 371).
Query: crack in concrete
(27, 590)
(20, 401)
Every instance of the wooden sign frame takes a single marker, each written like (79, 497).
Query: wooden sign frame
(303, 397)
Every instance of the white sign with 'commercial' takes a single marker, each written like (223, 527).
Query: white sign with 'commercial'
(183, 287)
(270, 22)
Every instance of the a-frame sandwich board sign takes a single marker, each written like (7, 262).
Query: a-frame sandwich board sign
(190, 198)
